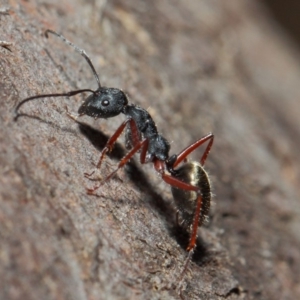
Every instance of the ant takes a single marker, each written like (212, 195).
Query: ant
(189, 182)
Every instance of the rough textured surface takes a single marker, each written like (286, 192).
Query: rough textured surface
(201, 66)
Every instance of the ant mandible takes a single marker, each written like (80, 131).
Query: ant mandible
(189, 183)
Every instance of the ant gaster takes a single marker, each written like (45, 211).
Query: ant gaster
(189, 182)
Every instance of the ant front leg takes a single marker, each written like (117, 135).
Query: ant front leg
(110, 143)
(143, 145)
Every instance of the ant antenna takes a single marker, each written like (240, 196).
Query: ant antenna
(80, 51)
(67, 94)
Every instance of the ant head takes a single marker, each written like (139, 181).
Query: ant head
(104, 103)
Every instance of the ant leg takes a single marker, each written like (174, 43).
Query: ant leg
(185, 152)
(110, 143)
(141, 145)
(194, 226)
(108, 147)
(185, 186)
(135, 135)
(192, 243)
(173, 181)
(185, 266)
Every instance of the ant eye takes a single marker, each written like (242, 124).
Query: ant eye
(105, 102)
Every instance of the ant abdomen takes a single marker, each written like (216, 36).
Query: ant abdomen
(186, 201)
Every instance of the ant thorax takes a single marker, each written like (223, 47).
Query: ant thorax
(158, 145)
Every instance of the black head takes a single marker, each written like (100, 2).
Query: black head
(104, 103)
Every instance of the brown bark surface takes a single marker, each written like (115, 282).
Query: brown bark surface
(197, 66)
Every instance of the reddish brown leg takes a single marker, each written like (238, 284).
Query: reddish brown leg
(110, 143)
(188, 150)
(134, 133)
(192, 243)
(185, 186)
(182, 156)
(141, 145)
(193, 235)
(169, 179)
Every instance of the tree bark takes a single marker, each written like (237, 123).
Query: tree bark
(197, 66)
